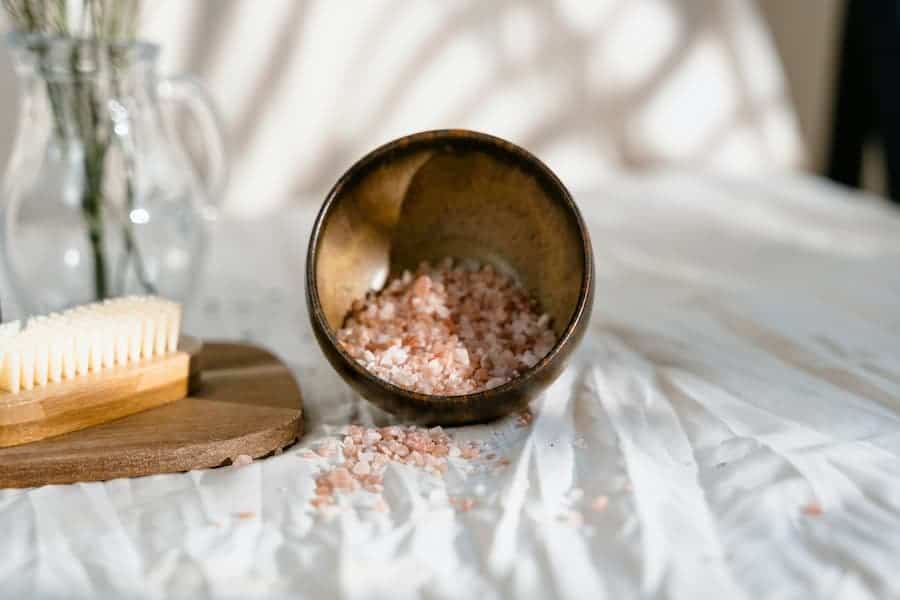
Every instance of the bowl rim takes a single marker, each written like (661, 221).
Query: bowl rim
(585, 295)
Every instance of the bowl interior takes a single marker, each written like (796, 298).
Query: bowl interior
(457, 194)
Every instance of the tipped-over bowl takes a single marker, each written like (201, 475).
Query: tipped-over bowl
(460, 194)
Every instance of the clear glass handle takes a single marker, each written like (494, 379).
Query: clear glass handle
(193, 95)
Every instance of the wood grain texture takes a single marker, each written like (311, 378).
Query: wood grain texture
(89, 400)
(247, 402)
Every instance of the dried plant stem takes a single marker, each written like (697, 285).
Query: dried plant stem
(78, 102)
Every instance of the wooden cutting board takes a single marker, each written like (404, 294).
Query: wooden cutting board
(244, 401)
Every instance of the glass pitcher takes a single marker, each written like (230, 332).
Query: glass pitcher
(100, 197)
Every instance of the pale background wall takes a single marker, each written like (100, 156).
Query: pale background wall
(592, 87)
(807, 34)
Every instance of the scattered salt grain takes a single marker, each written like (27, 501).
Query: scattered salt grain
(246, 515)
(461, 503)
(447, 330)
(367, 452)
(469, 452)
(599, 504)
(525, 418)
(813, 509)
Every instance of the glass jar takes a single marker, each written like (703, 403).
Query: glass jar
(100, 197)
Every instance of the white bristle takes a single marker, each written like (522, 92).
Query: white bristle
(8, 332)
(41, 358)
(174, 325)
(86, 339)
(135, 339)
(11, 377)
(148, 336)
(95, 337)
(56, 356)
(82, 349)
(26, 368)
(162, 331)
(121, 328)
(67, 343)
(108, 334)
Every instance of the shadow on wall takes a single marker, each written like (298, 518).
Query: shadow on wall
(307, 87)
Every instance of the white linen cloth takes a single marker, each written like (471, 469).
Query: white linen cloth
(742, 369)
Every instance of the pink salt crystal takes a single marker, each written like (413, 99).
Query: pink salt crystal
(419, 442)
(308, 455)
(244, 515)
(323, 451)
(364, 461)
(241, 460)
(421, 286)
(462, 504)
(469, 452)
(525, 418)
(813, 509)
(322, 502)
(495, 382)
(390, 432)
(400, 450)
(599, 504)
(350, 451)
(362, 468)
(341, 479)
(447, 331)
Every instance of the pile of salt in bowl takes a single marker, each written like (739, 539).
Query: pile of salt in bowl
(452, 329)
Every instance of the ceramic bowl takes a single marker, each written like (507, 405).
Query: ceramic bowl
(461, 194)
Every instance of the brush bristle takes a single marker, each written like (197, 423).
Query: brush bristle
(86, 339)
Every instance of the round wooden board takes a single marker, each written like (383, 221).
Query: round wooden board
(246, 402)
